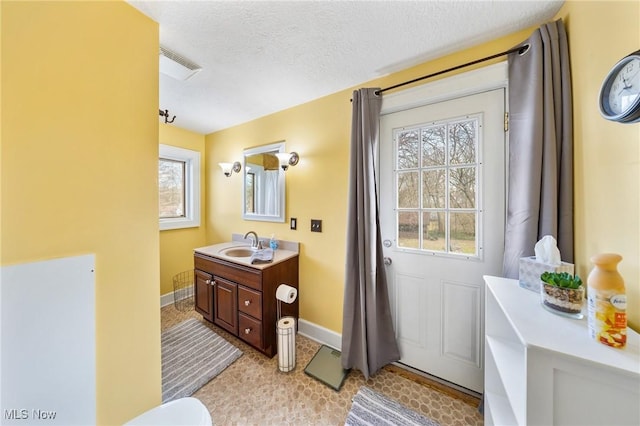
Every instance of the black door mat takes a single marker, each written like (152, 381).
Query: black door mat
(326, 367)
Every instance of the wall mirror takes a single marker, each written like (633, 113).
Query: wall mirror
(263, 195)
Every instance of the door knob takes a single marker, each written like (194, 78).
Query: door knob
(387, 261)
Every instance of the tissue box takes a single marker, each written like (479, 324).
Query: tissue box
(530, 271)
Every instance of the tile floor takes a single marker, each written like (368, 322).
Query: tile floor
(252, 391)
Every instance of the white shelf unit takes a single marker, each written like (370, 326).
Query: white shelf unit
(544, 369)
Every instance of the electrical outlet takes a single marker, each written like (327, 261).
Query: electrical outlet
(293, 223)
(316, 225)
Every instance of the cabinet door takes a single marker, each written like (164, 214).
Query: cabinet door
(204, 294)
(225, 304)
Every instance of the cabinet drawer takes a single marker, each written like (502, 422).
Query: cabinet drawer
(250, 302)
(232, 271)
(250, 330)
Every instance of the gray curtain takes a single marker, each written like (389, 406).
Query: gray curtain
(368, 338)
(540, 199)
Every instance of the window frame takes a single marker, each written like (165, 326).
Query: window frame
(192, 203)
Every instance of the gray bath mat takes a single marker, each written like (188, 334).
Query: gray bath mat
(371, 408)
(192, 354)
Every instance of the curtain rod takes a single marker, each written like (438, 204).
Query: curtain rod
(520, 49)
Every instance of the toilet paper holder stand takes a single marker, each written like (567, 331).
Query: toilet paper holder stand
(286, 339)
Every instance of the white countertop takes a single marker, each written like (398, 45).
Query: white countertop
(523, 309)
(217, 251)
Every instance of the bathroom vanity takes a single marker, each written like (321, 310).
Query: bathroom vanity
(239, 296)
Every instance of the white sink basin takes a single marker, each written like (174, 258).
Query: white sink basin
(237, 252)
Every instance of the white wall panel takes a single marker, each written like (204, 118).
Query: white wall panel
(48, 365)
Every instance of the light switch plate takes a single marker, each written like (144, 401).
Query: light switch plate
(293, 223)
(316, 225)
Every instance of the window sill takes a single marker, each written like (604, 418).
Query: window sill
(169, 224)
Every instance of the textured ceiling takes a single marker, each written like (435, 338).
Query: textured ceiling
(259, 57)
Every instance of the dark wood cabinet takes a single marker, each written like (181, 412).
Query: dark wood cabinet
(225, 304)
(242, 299)
(203, 294)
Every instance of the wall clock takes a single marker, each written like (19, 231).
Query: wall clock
(619, 98)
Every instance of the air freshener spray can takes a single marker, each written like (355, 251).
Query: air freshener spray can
(607, 301)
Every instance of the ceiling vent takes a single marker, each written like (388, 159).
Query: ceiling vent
(176, 66)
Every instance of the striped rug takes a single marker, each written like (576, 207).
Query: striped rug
(192, 354)
(372, 408)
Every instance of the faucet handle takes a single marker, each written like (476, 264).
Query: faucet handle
(260, 246)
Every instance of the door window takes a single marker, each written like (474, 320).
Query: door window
(437, 179)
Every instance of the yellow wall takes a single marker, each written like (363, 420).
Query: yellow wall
(79, 173)
(176, 245)
(606, 157)
(607, 154)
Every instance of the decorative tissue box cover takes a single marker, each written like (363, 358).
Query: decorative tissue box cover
(530, 271)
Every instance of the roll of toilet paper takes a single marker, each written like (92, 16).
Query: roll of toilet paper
(286, 293)
(286, 332)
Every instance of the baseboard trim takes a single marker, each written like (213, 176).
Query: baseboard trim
(166, 299)
(320, 334)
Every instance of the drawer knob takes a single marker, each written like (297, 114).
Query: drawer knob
(247, 302)
(247, 330)
(208, 281)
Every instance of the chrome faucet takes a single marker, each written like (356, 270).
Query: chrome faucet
(254, 242)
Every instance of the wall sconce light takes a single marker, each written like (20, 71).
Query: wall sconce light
(229, 168)
(287, 159)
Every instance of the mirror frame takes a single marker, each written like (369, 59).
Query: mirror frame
(274, 147)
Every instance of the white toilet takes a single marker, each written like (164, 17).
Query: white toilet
(183, 411)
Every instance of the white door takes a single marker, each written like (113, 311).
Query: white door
(442, 208)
